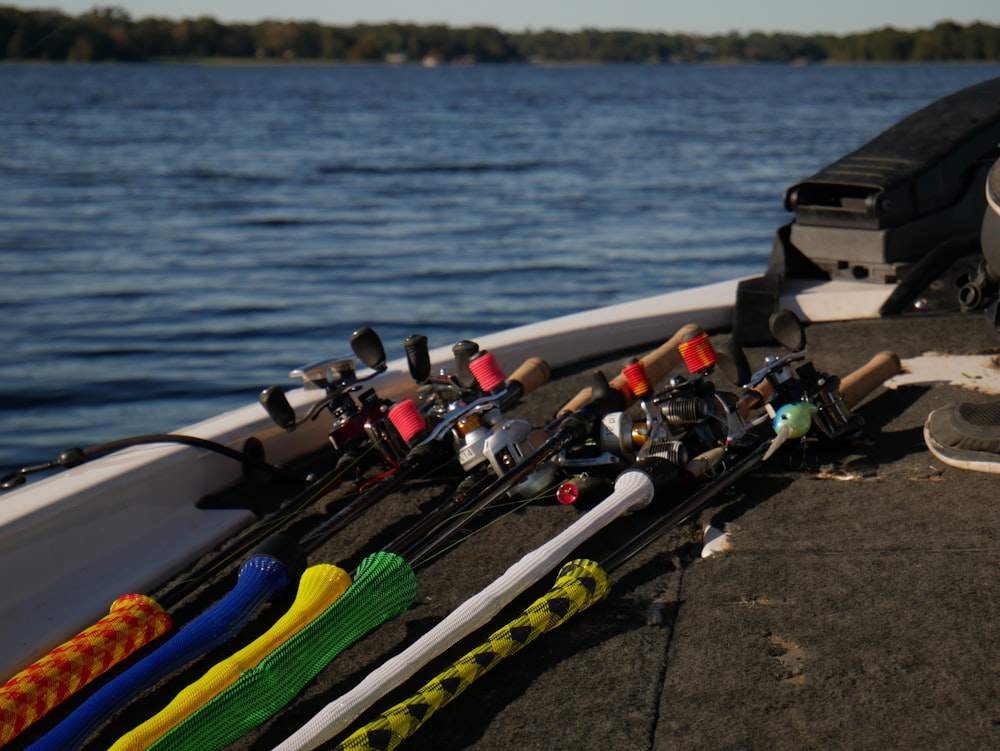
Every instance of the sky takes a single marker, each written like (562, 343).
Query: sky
(705, 17)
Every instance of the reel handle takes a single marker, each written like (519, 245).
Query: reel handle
(276, 404)
(418, 357)
(751, 399)
(367, 345)
(463, 352)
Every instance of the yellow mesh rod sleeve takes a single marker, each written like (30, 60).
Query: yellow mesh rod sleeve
(319, 587)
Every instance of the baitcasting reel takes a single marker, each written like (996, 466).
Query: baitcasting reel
(354, 419)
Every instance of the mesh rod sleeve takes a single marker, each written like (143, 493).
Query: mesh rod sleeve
(579, 585)
(384, 586)
(632, 489)
(133, 622)
(319, 588)
(259, 579)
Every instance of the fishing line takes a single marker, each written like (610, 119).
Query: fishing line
(634, 488)
(279, 562)
(222, 701)
(658, 475)
(511, 508)
(255, 533)
(579, 584)
(132, 623)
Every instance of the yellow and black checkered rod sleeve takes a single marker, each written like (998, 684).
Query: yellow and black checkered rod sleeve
(579, 585)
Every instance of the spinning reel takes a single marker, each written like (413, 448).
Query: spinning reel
(692, 419)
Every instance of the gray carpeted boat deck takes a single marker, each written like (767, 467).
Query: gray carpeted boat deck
(856, 609)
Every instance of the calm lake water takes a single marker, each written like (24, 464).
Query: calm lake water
(174, 238)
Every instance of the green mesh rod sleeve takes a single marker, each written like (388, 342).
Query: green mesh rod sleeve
(634, 489)
(579, 585)
(384, 586)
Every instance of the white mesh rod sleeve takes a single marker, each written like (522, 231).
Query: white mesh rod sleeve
(633, 489)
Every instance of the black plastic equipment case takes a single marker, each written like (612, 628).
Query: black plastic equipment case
(919, 183)
(909, 202)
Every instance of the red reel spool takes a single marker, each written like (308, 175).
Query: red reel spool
(487, 371)
(697, 351)
(406, 419)
(638, 381)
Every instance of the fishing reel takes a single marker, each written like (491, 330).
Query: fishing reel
(689, 418)
(685, 418)
(469, 403)
(793, 379)
(507, 446)
(439, 392)
(442, 394)
(449, 401)
(355, 419)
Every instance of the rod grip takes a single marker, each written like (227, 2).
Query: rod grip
(858, 384)
(133, 622)
(531, 374)
(384, 586)
(657, 364)
(752, 398)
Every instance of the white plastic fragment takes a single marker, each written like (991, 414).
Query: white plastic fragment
(716, 541)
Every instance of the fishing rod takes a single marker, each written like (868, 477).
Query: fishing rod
(446, 401)
(320, 586)
(376, 422)
(580, 583)
(570, 427)
(226, 715)
(490, 371)
(136, 620)
(686, 418)
(633, 493)
(677, 425)
(221, 622)
(359, 426)
(634, 488)
(689, 415)
(513, 454)
(133, 622)
(366, 603)
(445, 442)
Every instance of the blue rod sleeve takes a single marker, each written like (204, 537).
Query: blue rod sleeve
(260, 578)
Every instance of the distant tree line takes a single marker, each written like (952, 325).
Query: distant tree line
(109, 33)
